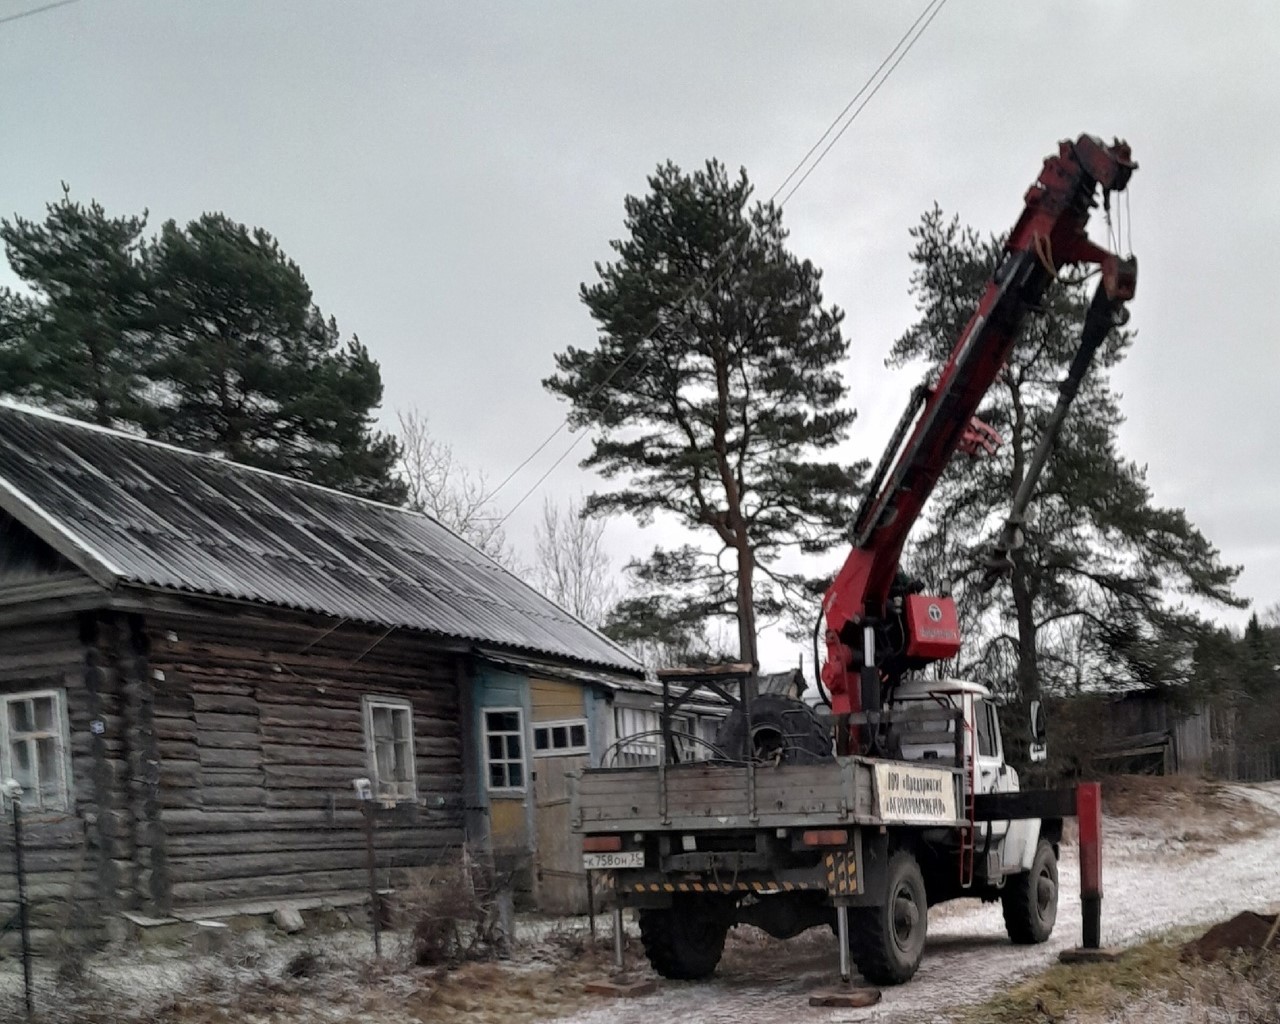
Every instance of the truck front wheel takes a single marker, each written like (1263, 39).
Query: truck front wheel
(887, 941)
(1030, 899)
(686, 940)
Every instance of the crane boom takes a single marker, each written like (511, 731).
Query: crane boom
(860, 608)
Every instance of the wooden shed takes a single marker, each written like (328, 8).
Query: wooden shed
(1151, 730)
(198, 658)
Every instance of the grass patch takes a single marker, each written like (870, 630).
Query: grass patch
(1152, 975)
(1087, 990)
(1196, 812)
(299, 980)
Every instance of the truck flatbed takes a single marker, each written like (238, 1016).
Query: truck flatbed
(711, 795)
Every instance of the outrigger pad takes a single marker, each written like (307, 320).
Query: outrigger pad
(1080, 955)
(622, 986)
(847, 997)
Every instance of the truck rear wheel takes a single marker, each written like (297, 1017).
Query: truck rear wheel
(686, 940)
(1030, 899)
(887, 941)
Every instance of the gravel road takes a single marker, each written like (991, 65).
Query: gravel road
(1153, 879)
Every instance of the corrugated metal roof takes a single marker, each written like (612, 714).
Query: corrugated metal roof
(132, 511)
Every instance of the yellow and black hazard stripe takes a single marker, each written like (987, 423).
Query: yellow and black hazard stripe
(842, 873)
(763, 886)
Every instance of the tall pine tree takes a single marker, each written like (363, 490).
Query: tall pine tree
(79, 342)
(713, 386)
(1098, 595)
(206, 336)
(250, 369)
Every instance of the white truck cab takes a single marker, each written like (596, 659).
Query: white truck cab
(1009, 846)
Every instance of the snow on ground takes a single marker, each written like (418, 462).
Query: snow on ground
(1152, 881)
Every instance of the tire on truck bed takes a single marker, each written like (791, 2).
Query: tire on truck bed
(887, 942)
(1030, 899)
(782, 728)
(686, 940)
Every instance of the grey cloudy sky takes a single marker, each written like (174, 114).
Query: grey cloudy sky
(446, 175)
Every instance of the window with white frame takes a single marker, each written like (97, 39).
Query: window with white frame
(504, 749)
(556, 739)
(388, 737)
(34, 748)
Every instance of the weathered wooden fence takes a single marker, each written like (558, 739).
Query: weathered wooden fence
(1256, 763)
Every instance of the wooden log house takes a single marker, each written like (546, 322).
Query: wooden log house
(198, 658)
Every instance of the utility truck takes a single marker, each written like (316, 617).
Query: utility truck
(896, 795)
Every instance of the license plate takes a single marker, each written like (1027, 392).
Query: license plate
(609, 861)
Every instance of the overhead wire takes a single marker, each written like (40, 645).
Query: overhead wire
(844, 119)
(36, 10)
(856, 96)
(914, 39)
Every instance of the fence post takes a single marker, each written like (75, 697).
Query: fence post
(13, 791)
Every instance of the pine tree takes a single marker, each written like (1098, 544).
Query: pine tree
(713, 384)
(78, 343)
(249, 367)
(1097, 595)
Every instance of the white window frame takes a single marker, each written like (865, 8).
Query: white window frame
(632, 722)
(567, 724)
(520, 731)
(395, 790)
(32, 801)
(638, 747)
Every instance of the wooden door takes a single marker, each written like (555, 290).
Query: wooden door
(560, 880)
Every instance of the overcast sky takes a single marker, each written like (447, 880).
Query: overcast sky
(446, 175)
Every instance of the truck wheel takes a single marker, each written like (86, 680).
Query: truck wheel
(783, 729)
(1030, 899)
(686, 940)
(887, 942)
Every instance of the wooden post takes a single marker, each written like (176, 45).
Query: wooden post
(375, 908)
(23, 910)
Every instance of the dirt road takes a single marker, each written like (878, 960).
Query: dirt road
(1158, 874)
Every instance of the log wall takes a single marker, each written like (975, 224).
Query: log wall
(258, 728)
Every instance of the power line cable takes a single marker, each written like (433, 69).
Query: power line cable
(856, 96)
(854, 116)
(36, 10)
(908, 40)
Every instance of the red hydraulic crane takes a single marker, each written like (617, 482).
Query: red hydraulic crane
(874, 631)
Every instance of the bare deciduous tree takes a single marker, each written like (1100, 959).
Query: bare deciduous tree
(439, 485)
(572, 567)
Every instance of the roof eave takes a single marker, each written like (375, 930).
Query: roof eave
(58, 536)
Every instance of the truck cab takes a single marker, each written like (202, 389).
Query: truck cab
(1001, 848)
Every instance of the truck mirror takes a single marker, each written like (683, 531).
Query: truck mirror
(1037, 722)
